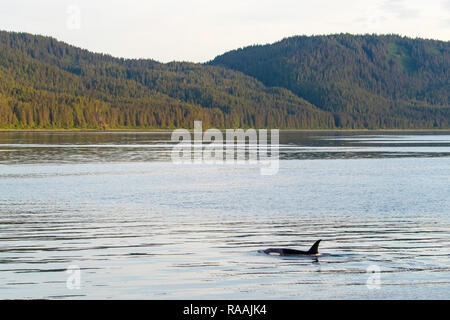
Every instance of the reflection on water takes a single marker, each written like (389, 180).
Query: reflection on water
(139, 226)
(75, 147)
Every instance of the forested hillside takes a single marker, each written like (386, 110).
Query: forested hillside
(373, 81)
(49, 84)
(45, 83)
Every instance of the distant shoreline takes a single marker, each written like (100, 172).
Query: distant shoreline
(170, 130)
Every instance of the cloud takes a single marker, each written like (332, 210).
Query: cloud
(198, 30)
(446, 4)
(400, 8)
(445, 23)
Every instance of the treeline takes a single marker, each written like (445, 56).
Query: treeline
(368, 80)
(45, 83)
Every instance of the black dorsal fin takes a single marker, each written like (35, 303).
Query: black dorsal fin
(315, 248)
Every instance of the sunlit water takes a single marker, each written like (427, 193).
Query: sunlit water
(139, 226)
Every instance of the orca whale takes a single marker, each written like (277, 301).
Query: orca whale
(314, 250)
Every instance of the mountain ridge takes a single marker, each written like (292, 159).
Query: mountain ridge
(48, 84)
(384, 69)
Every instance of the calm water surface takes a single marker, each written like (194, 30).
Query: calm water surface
(139, 226)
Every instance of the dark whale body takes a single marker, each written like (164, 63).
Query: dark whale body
(314, 250)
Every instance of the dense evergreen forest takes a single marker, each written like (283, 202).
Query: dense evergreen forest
(327, 82)
(365, 81)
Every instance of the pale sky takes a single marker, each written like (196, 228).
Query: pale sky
(199, 30)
